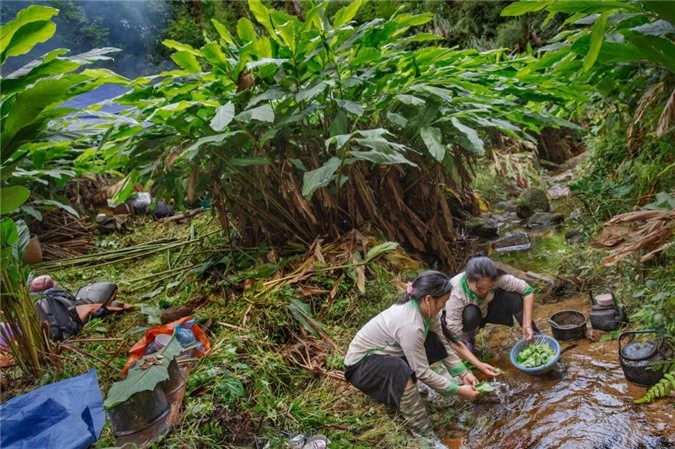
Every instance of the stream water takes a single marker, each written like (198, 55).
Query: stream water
(584, 403)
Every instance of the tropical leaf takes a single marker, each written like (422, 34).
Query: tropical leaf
(597, 36)
(139, 379)
(473, 139)
(187, 61)
(347, 13)
(12, 198)
(58, 204)
(30, 27)
(223, 117)
(263, 113)
(302, 314)
(223, 32)
(379, 249)
(659, 28)
(320, 177)
(523, 7)
(433, 139)
(379, 157)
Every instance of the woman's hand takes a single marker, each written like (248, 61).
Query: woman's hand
(468, 392)
(489, 370)
(528, 334)
(468, 378)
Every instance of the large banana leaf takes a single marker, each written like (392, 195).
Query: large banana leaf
(139, 379)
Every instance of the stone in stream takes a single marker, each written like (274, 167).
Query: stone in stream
(541, 219)
(530, 201)
(557, 191)
(574, 236)
(505, 206)
(482, 227)
(513, 241)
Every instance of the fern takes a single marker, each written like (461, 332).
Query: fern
(665, 365)
(661, 389)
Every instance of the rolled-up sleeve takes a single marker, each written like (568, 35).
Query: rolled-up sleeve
(412, 344)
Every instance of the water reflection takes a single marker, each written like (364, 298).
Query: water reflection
(585, 403)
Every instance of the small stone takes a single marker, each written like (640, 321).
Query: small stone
(505, 206)
(541, 219)
(513, 241)
(574, 236)
(557, 191)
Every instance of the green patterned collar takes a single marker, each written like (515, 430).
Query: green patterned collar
(468, 292)
(427, 321)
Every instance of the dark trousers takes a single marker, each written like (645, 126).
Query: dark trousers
(384, 377)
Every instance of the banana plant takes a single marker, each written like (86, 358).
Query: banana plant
(298, 128)
(621, 49)
(37, 137)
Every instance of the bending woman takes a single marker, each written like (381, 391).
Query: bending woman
(483, 294)
(395, 348)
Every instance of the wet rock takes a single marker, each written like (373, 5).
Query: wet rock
(513, 241)
(530, 201)
(574, 236)
(505, 206)
(482, 227)
(557, 191)
(541, 219)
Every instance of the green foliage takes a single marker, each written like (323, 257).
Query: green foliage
(38, 137)
(535, 354)
(623, 49)
(139, 379)
(662, 389)
(23, 335)
(657, 302)
(609, 183)
(252, 115)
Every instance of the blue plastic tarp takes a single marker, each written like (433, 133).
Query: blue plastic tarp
(63, 415)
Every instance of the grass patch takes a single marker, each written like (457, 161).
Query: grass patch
(246, 391)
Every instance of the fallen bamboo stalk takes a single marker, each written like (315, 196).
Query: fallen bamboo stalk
(188, 214)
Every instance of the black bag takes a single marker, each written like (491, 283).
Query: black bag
(57, 308)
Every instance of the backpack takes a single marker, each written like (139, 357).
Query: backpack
(96, 293)
(57, 308)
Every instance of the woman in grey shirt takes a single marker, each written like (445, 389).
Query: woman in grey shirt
(395, 348)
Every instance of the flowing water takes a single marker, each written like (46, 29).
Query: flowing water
(584, 403)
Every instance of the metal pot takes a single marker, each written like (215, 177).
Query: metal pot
(176, 381)
(608, 317)
(568, 325)
(637, 356)
(139, 412)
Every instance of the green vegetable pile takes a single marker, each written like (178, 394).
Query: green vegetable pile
(484, 387)
(535, 354)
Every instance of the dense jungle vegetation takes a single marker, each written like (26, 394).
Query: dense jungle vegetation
(342, 147)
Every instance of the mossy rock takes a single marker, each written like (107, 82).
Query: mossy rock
(530, 201)
(482, 227)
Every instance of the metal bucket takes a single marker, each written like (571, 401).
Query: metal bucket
(138, 413)
(175, 383)
(568, 325)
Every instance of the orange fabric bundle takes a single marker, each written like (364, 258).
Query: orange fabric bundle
(138, 350)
